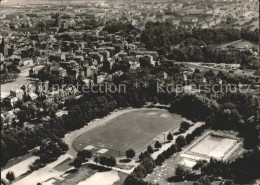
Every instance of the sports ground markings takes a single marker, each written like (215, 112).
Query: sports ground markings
(116, 146)
(108, 145)
(102, 151)
(89, 147)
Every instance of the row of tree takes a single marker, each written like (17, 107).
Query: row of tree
(145, 167)
(162, 35)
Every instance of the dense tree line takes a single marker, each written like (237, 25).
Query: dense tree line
(167, 154)
(17, 142)
(115, 26)
(188, 105)
(158, 35)
(193, 50)
(243, 170)
(233, 111)
(252, 36)
(197, 45)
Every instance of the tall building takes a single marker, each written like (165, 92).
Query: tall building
(57, 20)
(3, 48)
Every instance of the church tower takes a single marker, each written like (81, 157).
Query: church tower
(3, 48)
(57, 20)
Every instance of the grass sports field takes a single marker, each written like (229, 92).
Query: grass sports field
(136, 130)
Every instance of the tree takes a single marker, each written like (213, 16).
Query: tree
(132, 179)
(80, 78)
(117, 48)
(180, 172)
(160, 159)
(103, 160)
(33, 167)
(145, 62)
(168, 153)
(22, 116)
(111, 161)
(106, 65)
(199, 164)
(140, 171)
(63, 146)
(150, 149)
(141, 156)
(69, 79)
(157, 144)
(149, 164)
(184, 126)
(10, 176)
(77, 162)
(180, 141)
(84, 154)
(18, 104)
(97, 160)
(205, 180)
(43, 75)
(108, 161)
(13, 123)
(169, 137)
(130, 153)
(174, 148)
(196, 71)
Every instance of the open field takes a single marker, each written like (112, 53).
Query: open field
(238, 44)
(136, 129)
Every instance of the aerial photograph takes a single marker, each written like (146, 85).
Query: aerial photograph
(130, 92)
